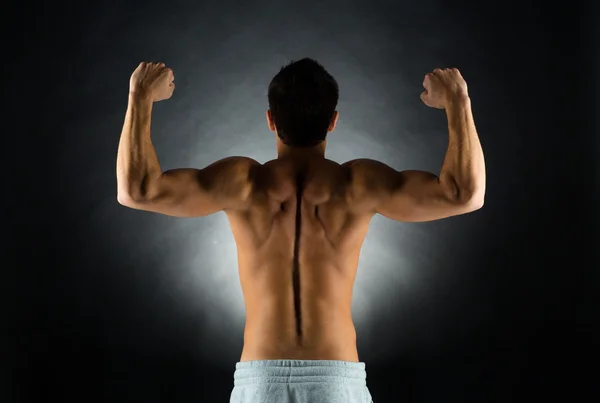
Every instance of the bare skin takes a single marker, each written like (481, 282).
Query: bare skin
(299, 221)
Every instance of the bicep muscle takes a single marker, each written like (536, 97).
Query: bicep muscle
(410, 196)
(188, 192)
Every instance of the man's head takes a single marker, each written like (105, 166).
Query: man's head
(302, 101)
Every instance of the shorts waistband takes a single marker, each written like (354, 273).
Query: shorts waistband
(299, 371)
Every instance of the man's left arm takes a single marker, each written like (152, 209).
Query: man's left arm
(185, 192)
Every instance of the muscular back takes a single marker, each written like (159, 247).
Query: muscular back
(299, 223)
(298, 246)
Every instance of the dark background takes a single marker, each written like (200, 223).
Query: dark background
(106, 304)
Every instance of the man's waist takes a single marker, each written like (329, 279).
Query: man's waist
(324, 346)
(307, 334)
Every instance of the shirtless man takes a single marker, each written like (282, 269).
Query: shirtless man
(299, 221)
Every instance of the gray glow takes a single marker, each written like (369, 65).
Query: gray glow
(199, 255)
(183, 273)
(120, 305)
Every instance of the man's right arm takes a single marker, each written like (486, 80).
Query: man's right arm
(416, 196)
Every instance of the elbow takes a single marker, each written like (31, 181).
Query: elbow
(472, 199)
(135, 195)
(131, 193)
(129, 199)
(468, 195)
(476, 202)
(124, 199)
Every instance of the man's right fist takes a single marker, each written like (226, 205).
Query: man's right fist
(152, 80)
(442, 86)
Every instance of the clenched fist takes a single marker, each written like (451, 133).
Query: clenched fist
(442, 86)
(152, 80)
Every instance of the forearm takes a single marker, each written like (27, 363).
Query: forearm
(464, 167)
(137, 163)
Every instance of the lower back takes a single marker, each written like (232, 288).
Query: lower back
(326, 331)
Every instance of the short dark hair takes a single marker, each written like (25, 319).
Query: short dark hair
(302, 99)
